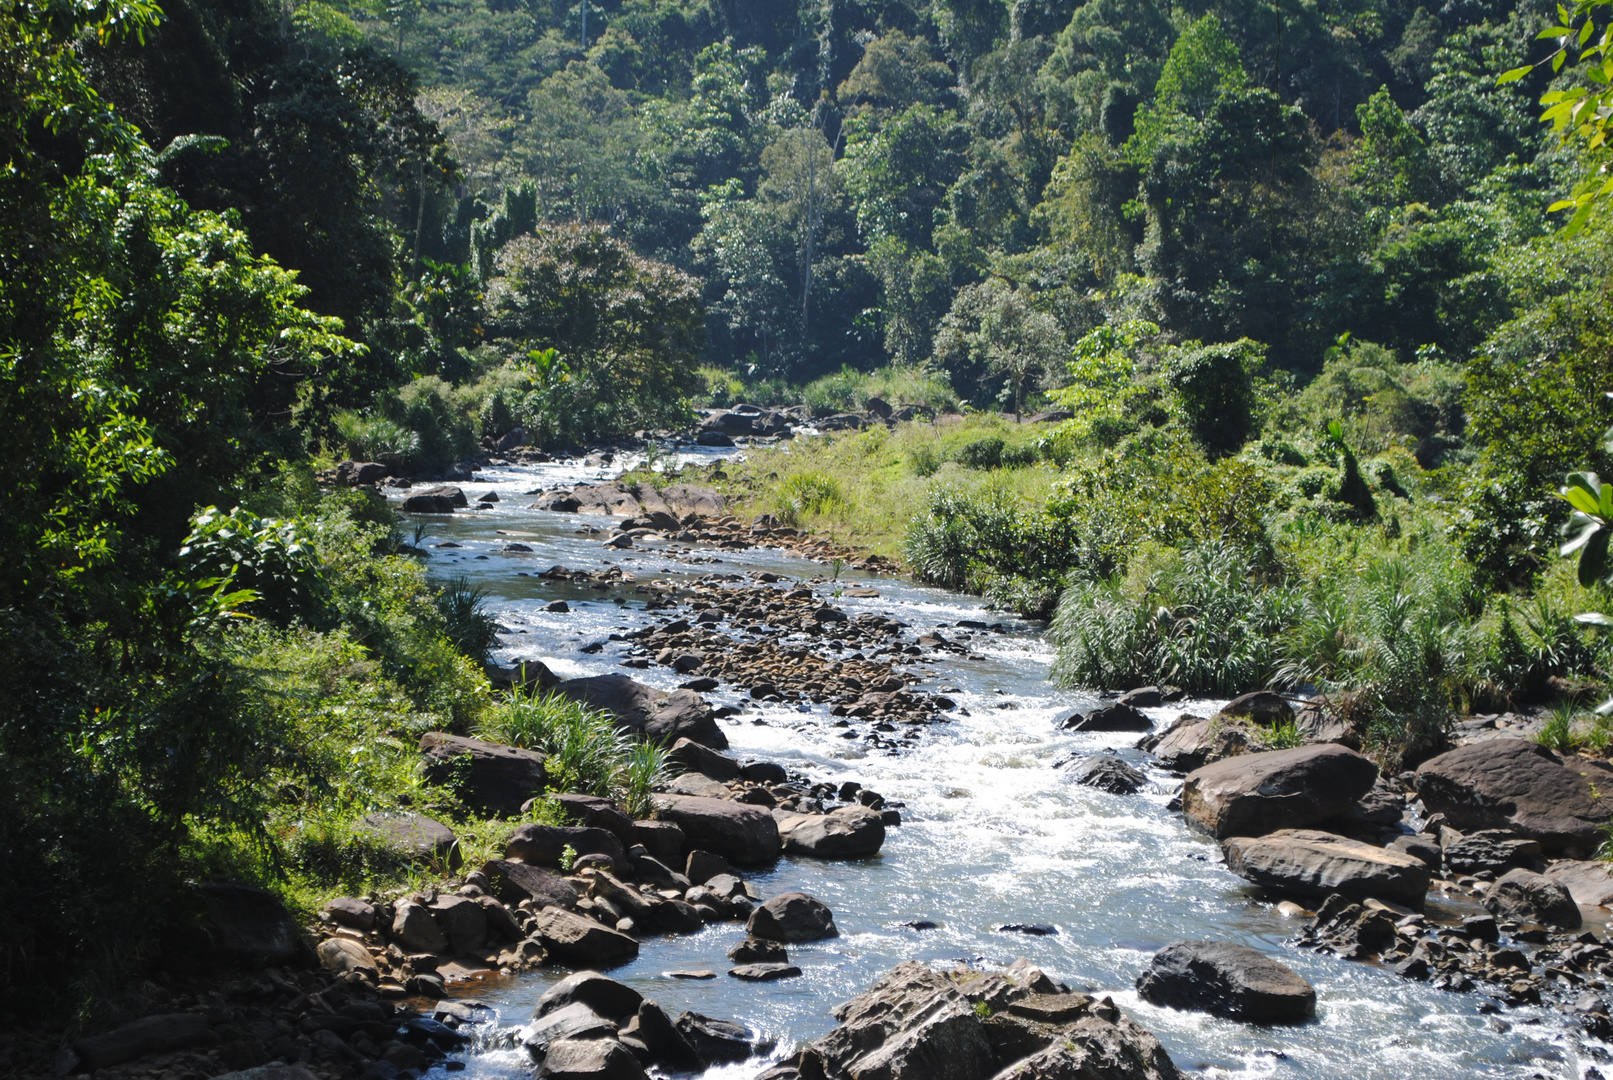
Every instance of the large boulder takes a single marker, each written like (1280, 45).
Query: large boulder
(356, 473)
(513, 882)
(1107, 773)
(792, 917)
(602, 994)
(1254, 794)
(343, 955)
(148, 1035)
(655, 714)
(598, 813)
(1263, 707)
(1227, 980)
(249, 925)
(912, 1024)
(1519, 785)
(581, 941)
(589, 1059)
(423, 839)
(1113, 717)
(496, 779)
(851, 832)
(442, 499)
(697, 758)
(1525, 896)
(543, 845)
(414, 928)
(743, 834)
(463, 920)
(1587, 880)
(715, 1041)
(1313, 864)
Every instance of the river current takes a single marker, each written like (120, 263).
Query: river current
(993, 833)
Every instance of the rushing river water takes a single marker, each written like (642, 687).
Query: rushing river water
(992, 833)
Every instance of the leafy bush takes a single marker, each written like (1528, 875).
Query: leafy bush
(1214, 392)
(368, 437)
(976, 540)
(275, 559)
(984, 453)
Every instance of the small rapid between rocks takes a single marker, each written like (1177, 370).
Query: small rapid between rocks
(993, 834)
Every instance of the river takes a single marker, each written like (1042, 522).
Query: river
(992, 834)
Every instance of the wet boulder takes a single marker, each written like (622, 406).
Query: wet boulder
(585, 1058)
(1525, 896)
(1227, 980)
(792, 917)
(715, 1041)
(1520, 786)
(1109, 774)
(743, 834)
(913, 1024)
(579, 940)
(1253, 794)
(496, 779)
(543, 845)
(1112, 717)
(602, 994)
(850, 832)
(1312, 864)
(1262, 707)
(598, 813)
(705, 761)
(442, 499)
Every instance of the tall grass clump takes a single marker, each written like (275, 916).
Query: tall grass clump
(586, 753)
(466, 619)
(806, 494)
(993, 543)
(1195, 618)
(368, 437)
(847, 390)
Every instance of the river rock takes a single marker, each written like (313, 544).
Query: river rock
(596, 812)
(578, 940)
(912, 1024)
(1185, 745)
(351, 912)
(1227, 980)
(850, 832)
(1317, 724)
(602, 994)
(702, 866)
(1113, 717)
(1350, 930)
(1313, 864)
(1493, 850)
(652, 713)
(1262, 707)
(357, 473)
(1525, 896)
(543, 845)
(663, 839)
(148, 1035)
(792, 917)
(1109, 774)
(589, 1059)
(1421, 848)
(743, 834)
(764, 972)
(496, 779)
(1143, 697)
(701, 759)
(758, 951)
(715, 1041)
(513, 882)
(343, 955)
(463, 920)
(662, 1039)
(1586, 880)
(1519, 785)
(415, 930)
(698, 785)
(442, 499)
(1257, 793)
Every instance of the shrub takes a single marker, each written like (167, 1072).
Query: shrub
(1214, 392)
(984, 453)
(924, 460)
(273, 558)
(368, 437)
(466, 620)
(806, 494)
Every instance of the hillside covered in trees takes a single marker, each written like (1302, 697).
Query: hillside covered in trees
(1286, 270)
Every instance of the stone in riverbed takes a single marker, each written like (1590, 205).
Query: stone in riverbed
(703, 760)
(578, 940)
(1495, 850)
(1227, 980)
(1315, 864)
(647, 711)
(715, 1041)
(702, 866)
(343, 955)
(1519, 785)
(599, 813)
(575, 1021)
(1254, 794)
(1115, 717)
(421, 838)
(589, 1059)
(415, 930)
(850, 832)
(148, 1035)
(758, 951)
(741, 833)
(1262, 707)
(764, 972)
(602, 994)
(1587, 880)
(1526, 896)
(663, 839)
(912, 1024)
(1109, 774)
(792, 917)
(662, 1039)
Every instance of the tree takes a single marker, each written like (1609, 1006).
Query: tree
(1214, 392)
(629, 327)
(993, 329)
(801, 181)
(896, 71)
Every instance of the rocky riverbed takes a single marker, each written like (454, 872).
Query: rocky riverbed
(1015, 823)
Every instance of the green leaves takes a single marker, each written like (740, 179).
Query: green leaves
(1587, 531)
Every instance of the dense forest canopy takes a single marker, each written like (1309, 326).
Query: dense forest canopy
(1288, 263)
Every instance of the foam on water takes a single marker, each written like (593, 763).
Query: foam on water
(992, 834)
